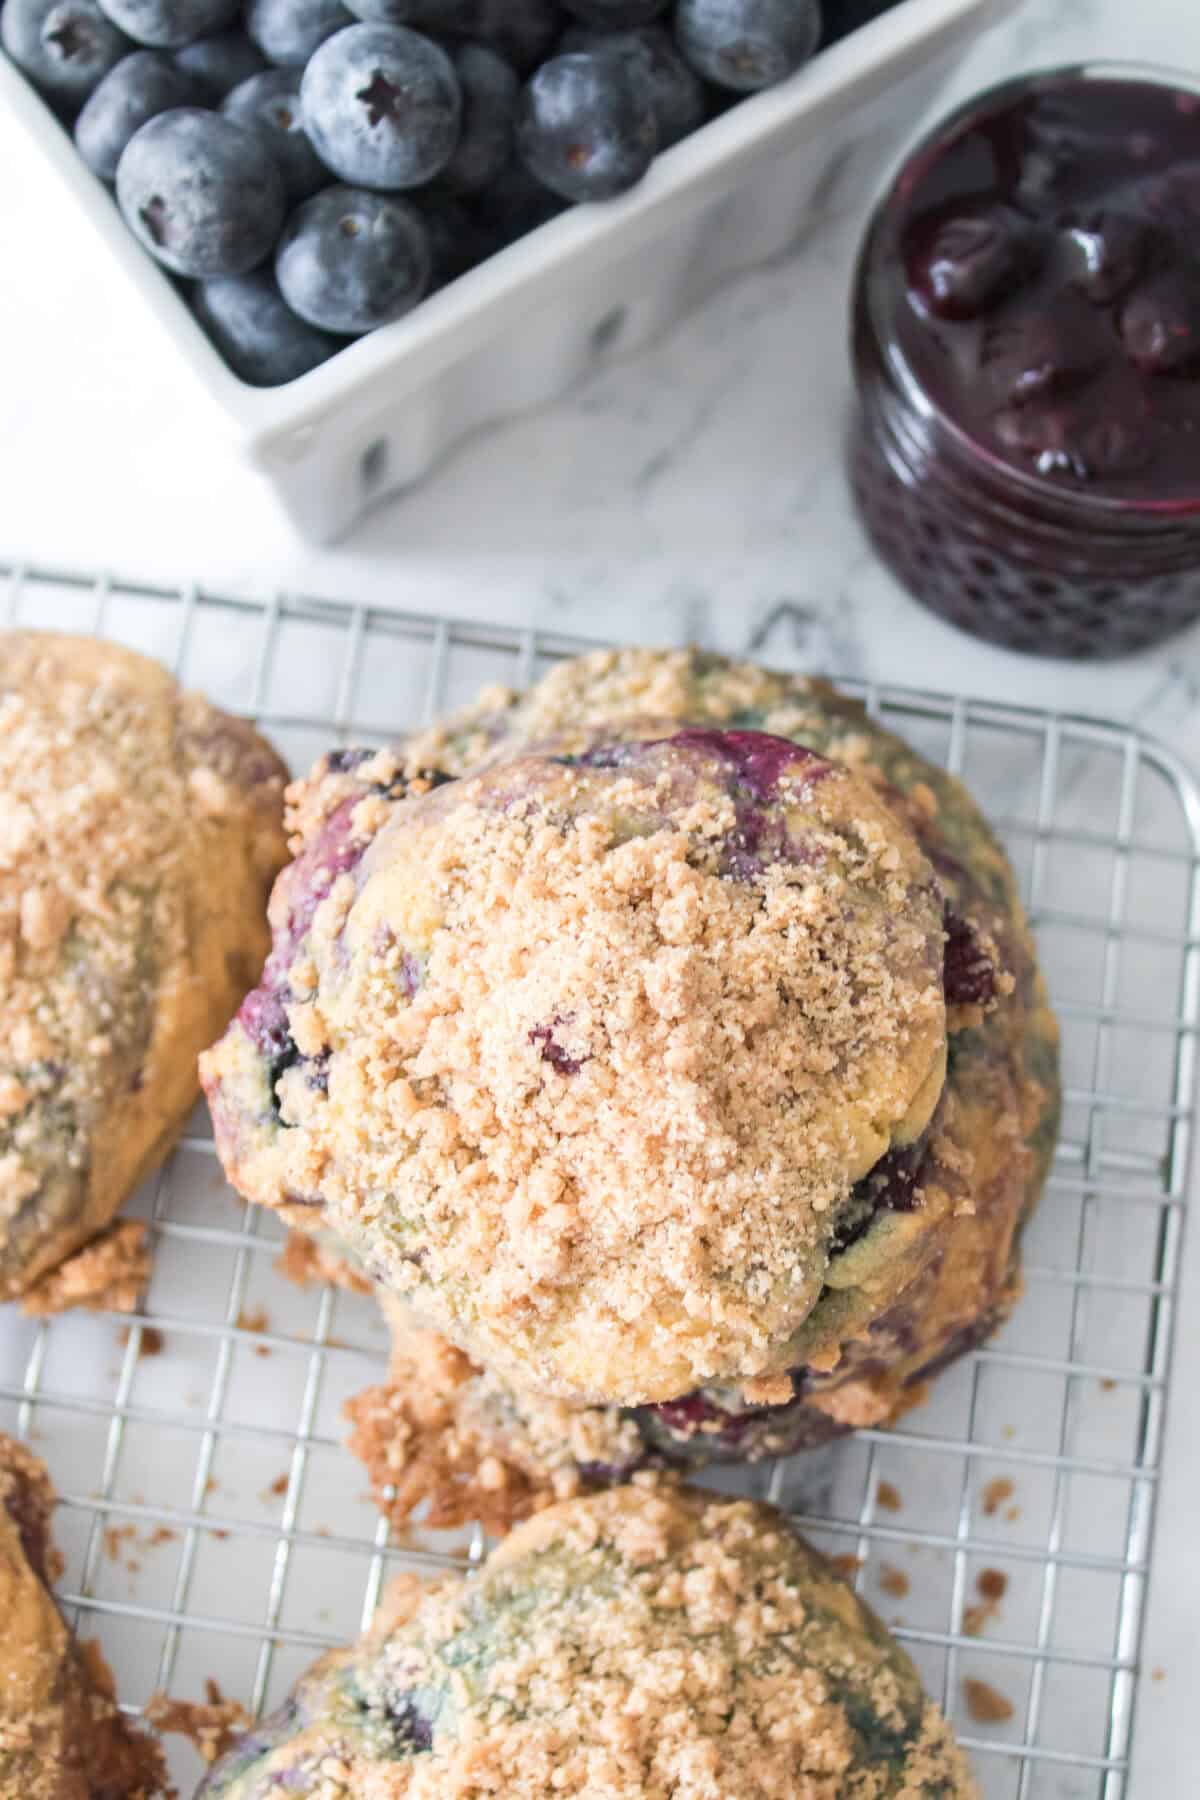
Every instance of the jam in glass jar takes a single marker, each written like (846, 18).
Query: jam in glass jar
(1026, 449)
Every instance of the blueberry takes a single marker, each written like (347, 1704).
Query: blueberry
(137, 90)
(1112, 249)
(747, 44)
(489, 105)
(382, 106)
(844, 16)
(220, 62)
(513, 205)
(459, 239)
(288, 31)
(350, 260)
(259, 336)
(167, 24)
(971, 260)
(201, 193)
(1160, 326)
(1172, 200)
(676, 92)
(269, 105)
(523, 31)
(1040, 434)
(1027, 359)
(615, 15)
(65, 47)
(585, 126)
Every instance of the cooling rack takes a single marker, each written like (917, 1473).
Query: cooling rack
(213, 1524)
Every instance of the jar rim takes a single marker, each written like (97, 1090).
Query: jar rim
(987, 101)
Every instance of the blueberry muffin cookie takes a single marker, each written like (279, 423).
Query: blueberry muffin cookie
(62, 1736)
(638, 1643)
(140, 830)
(670, 1040)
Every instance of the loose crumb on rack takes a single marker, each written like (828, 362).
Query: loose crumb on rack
(108, 1275)
(118, 1539)
(277, 1489)
(306, 1263)
(253, 1319)
(1107, 1383)
(986, 1705)
(893, 1580)
(403, 1434)
(996, 1493)
(1157, 1674)
(991, 1585)
(888, 1496)
(151, 1341)
(846, 1564)
(212, 1725)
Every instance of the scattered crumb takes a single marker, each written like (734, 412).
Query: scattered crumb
(846, 1565)
(219, 1533)
(115, 1539)
(108, 1275)
(893, 1580)
(277, 1489)
(262, 1350)
(1107, 1383)
(888, 1496)
(306, 1263)
(151, 1342)
(1158, 1674)
(121, 1539)
(996, 1493)
(985, 1705)
(211, 1485)
(212, 1725)
(991, 1585)
(253, 1319)
(403, 1435)
(1012, 1514)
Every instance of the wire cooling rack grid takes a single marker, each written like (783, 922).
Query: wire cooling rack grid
(213, 1523)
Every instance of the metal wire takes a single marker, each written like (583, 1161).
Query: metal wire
(1037, 1456)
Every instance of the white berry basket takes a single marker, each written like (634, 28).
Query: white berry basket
(594, 283)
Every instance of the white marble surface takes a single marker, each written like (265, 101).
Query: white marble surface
(691, 490)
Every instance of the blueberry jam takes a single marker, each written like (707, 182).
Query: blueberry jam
(1026, 455)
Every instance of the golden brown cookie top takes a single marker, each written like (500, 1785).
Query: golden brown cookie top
(113, 784)
(645, 1643)
(608, 1039)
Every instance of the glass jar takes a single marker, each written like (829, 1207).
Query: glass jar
(1025, 454)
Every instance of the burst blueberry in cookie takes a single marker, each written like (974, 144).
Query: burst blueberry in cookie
(139, 832)
(642, 1642)
(62, 1736)
(684, 1062)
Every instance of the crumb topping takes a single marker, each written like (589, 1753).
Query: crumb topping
(645, 1643)
(926, 1274)
(110, 1274)
(138, 831)
(659, 1031)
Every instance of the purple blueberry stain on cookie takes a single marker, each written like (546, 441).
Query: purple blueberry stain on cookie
(758, 760)
(891, 1186)
(969, 975)
(552, 1051)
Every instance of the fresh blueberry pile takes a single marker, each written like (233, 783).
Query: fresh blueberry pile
(315, 169)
